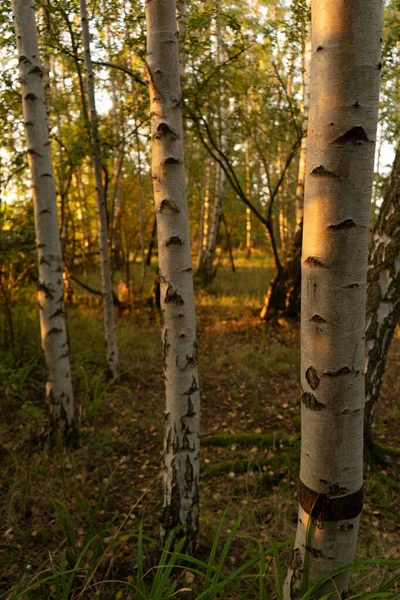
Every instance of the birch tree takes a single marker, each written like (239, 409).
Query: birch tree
(53, 326)
(383, 300)
(205, 268)
(345, 79)
(108, 303)
(181, 437)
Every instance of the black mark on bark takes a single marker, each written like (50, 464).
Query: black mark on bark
(310, 401)
(342, 371)
(169, 205)
(191, 360)
(190, 408)
(355, 135)
(312, 261)
(37, 70)
(54, 331)
(171, 160)
(174, 240)
(323, 172)
(312, 378)
(347, 224)
(193, 387)
(351, 286)
(173, 296)
(337, 490)
(317, 319)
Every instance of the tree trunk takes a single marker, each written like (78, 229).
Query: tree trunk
(53, 324)
(141, 213)
(248, 194)
(181, 24)
(383, 299)
(204, 215)
(205, 269)
(182, 440)
(152, 243)
(109, 317)
(340, 158)
(301, 173)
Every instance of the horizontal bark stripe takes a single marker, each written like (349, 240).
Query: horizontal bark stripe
(324, 508)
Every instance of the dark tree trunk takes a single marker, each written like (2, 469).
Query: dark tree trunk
(283, 297)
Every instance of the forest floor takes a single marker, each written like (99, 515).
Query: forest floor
(249, 384)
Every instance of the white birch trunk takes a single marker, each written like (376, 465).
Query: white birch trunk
(108, 301)
(383, 298)
(181, 23)
(141, 212)
(206, 268)
(345, 79)
(301, 173)
(182, 440)
(53, 324)
(204, 216)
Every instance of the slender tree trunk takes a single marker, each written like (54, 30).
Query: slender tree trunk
(181, 24)
(182, 440)
(204, 215)
(205, 269)
(152, 242)
(383, 298)
(53, 324)
(248, 194)
(109, 317)
(340, 158)
(141, 214)
(301, 173)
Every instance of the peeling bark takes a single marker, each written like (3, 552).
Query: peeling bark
(340, 160)
(53, 326)
(181, 437)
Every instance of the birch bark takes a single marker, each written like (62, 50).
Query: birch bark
(53, 326)
(301, 173)
(340, 159)
(383, 297)
(181, 438)
(109, 316)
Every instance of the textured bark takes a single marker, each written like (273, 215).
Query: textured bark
(181, 440)
(340, 160)
(109, 317)
(383, 299)
(53, 325)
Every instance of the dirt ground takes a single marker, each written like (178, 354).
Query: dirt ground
(249, 384)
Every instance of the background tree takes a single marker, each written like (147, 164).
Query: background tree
(54, 336)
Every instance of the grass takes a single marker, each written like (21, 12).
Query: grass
(249, 390)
